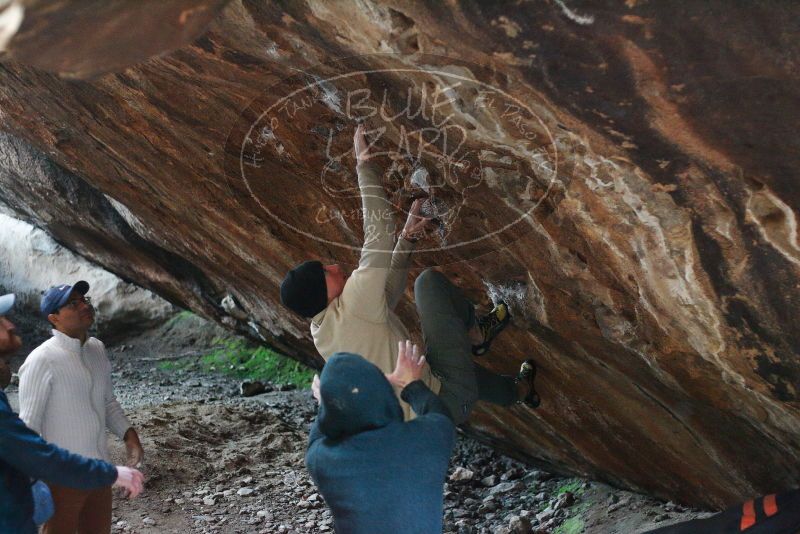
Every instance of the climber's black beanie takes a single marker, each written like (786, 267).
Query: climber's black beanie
(303, 290)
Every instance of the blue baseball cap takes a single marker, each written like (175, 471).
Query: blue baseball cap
(55, 297)
(6, 303)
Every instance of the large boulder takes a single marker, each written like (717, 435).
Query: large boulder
(31, 261)
(620, 173)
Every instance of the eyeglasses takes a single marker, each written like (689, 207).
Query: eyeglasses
(74, 304)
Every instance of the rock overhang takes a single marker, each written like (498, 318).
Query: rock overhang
(653, 268)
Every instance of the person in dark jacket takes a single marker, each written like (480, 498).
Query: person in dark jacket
(376, 472)
(25, 456)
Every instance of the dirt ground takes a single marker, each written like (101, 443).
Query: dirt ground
(217, 467)
(218, 462)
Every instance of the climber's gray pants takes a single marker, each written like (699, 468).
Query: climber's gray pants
(446, 317)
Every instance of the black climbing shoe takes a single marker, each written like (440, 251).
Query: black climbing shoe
(490, 325)
(527, 372)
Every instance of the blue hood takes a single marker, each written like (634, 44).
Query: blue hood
(355, 397)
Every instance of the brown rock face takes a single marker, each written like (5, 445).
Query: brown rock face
(85, 39)
(620, 173)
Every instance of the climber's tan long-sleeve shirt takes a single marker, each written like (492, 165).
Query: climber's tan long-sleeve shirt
(361, 320)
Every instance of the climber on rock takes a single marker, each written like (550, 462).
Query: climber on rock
(355, 314)
(376, 472)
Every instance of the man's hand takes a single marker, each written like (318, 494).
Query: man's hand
(134, 448)
(360, 145)
(409, 364)
(416, 227)
(130, 480)
(315, 387)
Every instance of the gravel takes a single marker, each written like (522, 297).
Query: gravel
(220, 462)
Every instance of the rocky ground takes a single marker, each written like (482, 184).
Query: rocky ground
(220, 462)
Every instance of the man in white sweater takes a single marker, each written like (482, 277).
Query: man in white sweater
(65, 395)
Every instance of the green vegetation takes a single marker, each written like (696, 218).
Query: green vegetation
(574, 487)
(573, 525)
(185, 314)
(238, 358)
